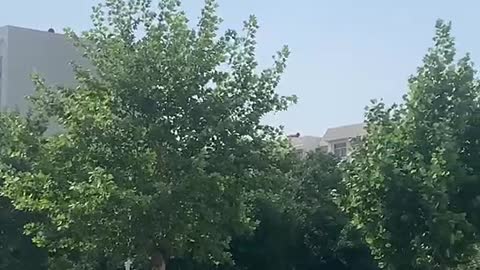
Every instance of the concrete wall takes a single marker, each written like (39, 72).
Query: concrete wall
(3, 52)
(32, 51)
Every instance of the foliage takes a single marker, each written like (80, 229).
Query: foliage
(16, 250)
(316, 195)
(304, 229)
(325, 228)
(412, 187)
(161, 147)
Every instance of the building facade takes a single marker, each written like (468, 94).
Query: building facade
(24, 52)
(337, 140)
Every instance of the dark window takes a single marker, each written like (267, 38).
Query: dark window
(340, 149)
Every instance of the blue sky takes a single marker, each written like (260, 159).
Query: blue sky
(344, 52)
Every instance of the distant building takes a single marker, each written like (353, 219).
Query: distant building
(308, 143)
(26, 51)
(337, 140)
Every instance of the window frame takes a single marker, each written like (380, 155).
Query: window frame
(340, 149)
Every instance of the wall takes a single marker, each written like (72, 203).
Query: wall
(32, 51)
(3, 51)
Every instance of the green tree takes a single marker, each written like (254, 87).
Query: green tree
(330, 240)
(16, 249)
(161, 150)
(304, 229)
(412, 186)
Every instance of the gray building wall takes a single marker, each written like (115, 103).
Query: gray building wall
(26, 51)
(3, 51)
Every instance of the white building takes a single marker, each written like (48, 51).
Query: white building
(24, 52)
(337, 140)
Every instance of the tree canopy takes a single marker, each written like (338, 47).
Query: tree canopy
(161, 148)
(412, 187)
(16, 249)
(159, 154)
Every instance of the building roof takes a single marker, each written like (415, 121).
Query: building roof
(18, 28)
(307, 143)
(344, 132)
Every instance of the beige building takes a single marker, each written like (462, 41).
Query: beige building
(26, 51)
(337, 140)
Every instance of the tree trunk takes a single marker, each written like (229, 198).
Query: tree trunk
(158, 261)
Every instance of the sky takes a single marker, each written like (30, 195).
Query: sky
(344, 52)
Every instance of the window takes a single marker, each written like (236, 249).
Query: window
(300, 152)
(340, 149)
